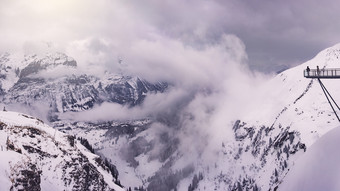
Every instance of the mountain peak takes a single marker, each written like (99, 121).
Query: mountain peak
(35, 64)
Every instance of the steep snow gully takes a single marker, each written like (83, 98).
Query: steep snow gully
(289, 129)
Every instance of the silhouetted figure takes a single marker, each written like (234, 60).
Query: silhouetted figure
(308, 70)
(4, 109)
(317, 70)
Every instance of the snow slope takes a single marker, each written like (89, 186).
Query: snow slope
(35, 156)
(319, 168)
(299, 102)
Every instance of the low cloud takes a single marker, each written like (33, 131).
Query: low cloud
(210, 87)
(198, 47)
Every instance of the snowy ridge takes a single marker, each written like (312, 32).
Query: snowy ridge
(38, 157)
(52, 83)
(33, 64)
(307, 107)
(298, 105)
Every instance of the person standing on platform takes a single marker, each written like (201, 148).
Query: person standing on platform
(308, 70)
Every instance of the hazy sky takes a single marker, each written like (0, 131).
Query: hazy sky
(275, 33)
(202, 47)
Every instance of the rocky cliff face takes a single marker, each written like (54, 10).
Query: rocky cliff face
(37, 157)
(34, 64)
(24, 84)
(258, 157)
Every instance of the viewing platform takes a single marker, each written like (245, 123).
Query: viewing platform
(322, 73)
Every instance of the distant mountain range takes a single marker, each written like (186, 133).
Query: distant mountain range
(291, 114)
(47, 80)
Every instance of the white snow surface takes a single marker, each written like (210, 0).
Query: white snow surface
(7, 158)
(306, 109)
(50, 156)
(319, 168)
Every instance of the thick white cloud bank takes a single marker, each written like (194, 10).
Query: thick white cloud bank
(99, 35)
(124, 36)
(210, 82)
(318, 168)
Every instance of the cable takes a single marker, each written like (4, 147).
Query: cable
(325, 92)
(329, 95)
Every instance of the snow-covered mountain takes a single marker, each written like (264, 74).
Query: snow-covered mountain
(54, 83)
(35, 156)
(266, 142)
(166, 150)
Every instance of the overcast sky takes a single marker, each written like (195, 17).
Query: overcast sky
(203, 47)
(275, 33)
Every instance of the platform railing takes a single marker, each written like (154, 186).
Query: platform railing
(322, 73)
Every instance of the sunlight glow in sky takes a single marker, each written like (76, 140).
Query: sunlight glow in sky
(276, 34)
